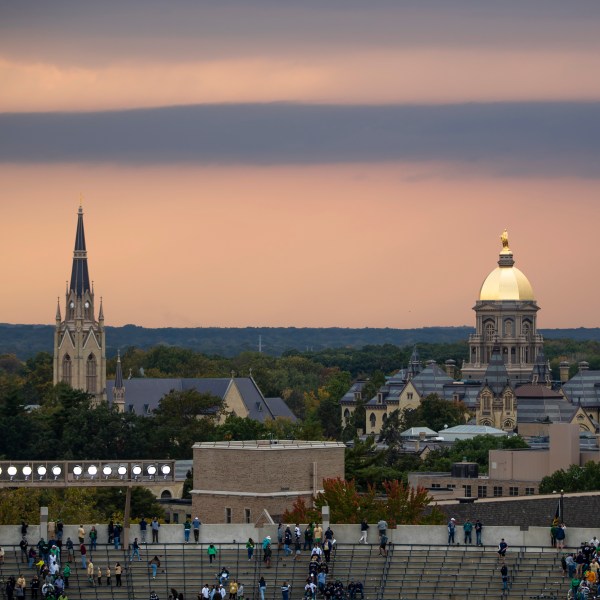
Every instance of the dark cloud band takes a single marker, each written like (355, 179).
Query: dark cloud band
(513, 138)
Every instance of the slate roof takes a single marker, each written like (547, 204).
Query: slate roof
(584, 388)
(431, 380)
(80, 277)
(496, 375)
(348, 397)
(142, 395)
(473, 430)
(279, 408)
(537, 403)
(466, 392)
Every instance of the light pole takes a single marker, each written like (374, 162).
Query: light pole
(562, 506)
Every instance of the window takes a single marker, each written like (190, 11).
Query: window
(409, 395)
(379, 398)
(529, 491)
(508, 404)
(508, 327)
(384, 418)
(346, 415)
(525, 329)
(146, 409)
(467, 491)
(490, 331)
(372, 420)
(66, 374)
(175, 517)
(357, 396)
(227, 515)
(513, 491)
(166, 494)
(482, 491)
(246, 515)
(486, 403)
(497, 491)
(435, 486)
(130, 408)
(451, 486)
(90, 374)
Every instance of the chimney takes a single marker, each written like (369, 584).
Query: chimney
(583, 366)
(564, 371)
(450, 368)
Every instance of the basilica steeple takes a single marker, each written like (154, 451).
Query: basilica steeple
(79, 339)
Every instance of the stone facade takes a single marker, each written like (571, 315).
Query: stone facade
(235, 481)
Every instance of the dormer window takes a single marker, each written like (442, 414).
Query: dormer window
(379, 397)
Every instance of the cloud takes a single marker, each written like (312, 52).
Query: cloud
(554, 139)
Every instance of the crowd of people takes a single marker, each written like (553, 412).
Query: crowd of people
(583, 569)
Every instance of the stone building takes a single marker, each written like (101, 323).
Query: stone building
(79, 339)
(505, 318)
(234, 482)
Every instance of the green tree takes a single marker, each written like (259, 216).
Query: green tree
(574, 479)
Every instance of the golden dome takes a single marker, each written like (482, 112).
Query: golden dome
(506, 282)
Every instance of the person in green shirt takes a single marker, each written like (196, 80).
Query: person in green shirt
(212, 552)
(67, 574)
(468, 528)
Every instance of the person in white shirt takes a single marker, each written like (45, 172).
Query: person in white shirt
(205, 591)
(595, 542)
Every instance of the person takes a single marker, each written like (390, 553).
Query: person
(571, 565)
(267, 552)
(118, 573)
(285, 591)
(205, 592)
(280, 529)
(504, 573)
(187, 528)
(382, 527)
(382, 545)
(223, 575)
(90, 572)
(478, 531)
(321, 581)
(212, 552)
(111, 531)
(153, 595)
(34, 584)
(23, 544)
(468, 528)
(81, 534)
(364, 531)
(359, 590)
(155, 525)
(99, 574)
(2, 556)
(560, 535)
(20, 586)
(143, 528)
(67, 574)
(233, 590)
(250, 548)
(59, 530)
(502, 547)
(240, 592)
(308, 536)
(154, 565)
(93, 538)
(196, 525)
(287, 541)
(24, 527)
(117, 535)
(135, 550)
(451, 530)
(327, 548)
(318, 534)
(70, 549)
(83, 552)
(32, 555)
(108, 581)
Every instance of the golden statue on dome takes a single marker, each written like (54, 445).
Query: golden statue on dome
(504, 239)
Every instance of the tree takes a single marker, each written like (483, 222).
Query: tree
(436, 413)
(574, 479)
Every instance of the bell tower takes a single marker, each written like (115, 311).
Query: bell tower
(79, 339)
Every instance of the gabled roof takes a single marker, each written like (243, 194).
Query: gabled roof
(496, 375)
(417, 431)
(348, 397)
(584, 388)
(143, 395)
(431, 380)
(537, 403)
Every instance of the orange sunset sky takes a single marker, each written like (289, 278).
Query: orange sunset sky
(265, 163)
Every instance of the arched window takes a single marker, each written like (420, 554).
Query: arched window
(490, 331)
(526, 328)
(486, 403)
(346, 415)
(508, 402)
(90, 374)
(508, 328)
(66, 369)
(372, 420)
(165, 494)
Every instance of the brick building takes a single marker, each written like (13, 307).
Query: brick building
(235, 481)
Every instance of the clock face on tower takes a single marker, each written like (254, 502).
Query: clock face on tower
(87, 304)
(72, 304)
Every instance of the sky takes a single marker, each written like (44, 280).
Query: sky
(306, 164)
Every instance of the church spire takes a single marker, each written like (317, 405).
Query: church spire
(80, 278)
(119, 372)
(58, 316)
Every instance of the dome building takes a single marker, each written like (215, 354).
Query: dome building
(505, 319)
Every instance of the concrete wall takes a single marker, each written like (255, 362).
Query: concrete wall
(346, 534)
(518, 465)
